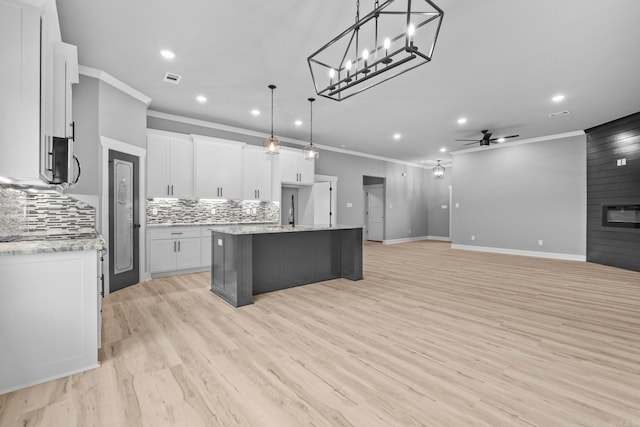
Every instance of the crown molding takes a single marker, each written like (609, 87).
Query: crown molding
(522, 142)
(112, 81)
(226, 128)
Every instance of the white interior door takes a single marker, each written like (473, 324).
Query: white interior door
(375, 217)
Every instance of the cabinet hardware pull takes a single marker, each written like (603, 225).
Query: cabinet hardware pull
(172, 189)
(168, 190)
(174, 246)
(178, 245)
(258, 194)
(177, 232)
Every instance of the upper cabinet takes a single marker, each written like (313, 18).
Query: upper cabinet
(169, 166)
(30, 105)
(294, 169)
(257, 174)
(218, 168)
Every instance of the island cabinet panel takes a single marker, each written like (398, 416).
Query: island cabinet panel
(271, 258)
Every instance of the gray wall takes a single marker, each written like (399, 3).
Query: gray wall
(99, 109)
(438, 196)
(406, 207)
(511, 197)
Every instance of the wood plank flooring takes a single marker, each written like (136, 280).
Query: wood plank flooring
(431, 337)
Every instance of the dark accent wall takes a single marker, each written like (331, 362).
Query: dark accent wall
(608, 183)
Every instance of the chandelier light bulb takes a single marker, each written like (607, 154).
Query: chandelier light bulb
(411, 30)
(332, 73)
(387, 43)
(365, 54)
(348, 65)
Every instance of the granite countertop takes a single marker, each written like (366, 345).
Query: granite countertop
(274, 228)
(211, 224)
(31, 247)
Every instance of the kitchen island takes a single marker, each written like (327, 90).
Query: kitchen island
(250, 260)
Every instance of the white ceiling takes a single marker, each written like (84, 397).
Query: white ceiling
(497, 63)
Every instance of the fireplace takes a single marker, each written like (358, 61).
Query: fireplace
(625, 216)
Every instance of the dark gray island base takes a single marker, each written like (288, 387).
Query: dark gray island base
(250, 260)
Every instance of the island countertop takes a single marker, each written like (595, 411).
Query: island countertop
(275, 228)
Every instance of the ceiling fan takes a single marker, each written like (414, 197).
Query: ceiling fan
(486, 139)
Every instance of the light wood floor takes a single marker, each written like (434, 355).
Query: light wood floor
(431, 337)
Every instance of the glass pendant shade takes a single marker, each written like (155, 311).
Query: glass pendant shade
(310, 151)
(271, 144)
(438, 171)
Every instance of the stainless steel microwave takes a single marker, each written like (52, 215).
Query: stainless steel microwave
(58, 162)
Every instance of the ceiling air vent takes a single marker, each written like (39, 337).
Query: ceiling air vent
(558, 114)
(172, 78)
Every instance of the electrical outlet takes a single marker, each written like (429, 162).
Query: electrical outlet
(473, 237)
(248, 211)
(539, 242)
(444, 206)
(349, 204)
(154, 211)
(409, 231)
(213, 211)
(254, 211)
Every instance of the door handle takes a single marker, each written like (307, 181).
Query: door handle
(73, 130)
(136, 226)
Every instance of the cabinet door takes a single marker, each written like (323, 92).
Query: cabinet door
(65, 73)
(162, 255)
(19, 90)
(206, 170)
(205, 252)
(188, 254)
(263, 176)
(181, 169)
(249, 174)
(289, 166)
(306, 169)
(230, 171)
(158, 166)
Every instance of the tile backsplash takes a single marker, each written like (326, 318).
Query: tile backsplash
(23, 213)
(182, 211)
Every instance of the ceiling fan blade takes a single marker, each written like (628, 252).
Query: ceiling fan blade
(511, 136)
(472, 143)
(475, 140)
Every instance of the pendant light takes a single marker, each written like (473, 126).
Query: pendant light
(311, 152)
(438, 171)
(271, 144)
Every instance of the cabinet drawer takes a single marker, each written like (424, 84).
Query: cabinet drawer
(174, 233)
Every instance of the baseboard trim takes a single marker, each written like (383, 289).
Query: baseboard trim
(537, 254)
(439, 238)
(405, 240)
(179, 272)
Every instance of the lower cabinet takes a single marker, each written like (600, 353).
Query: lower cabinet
(48, 317)
(206, 248)
(174, 249)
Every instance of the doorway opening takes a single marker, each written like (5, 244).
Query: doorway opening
(374, 208)
(124, 220)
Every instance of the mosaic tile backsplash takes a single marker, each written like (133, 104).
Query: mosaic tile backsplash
(182, 211)
(27, 214)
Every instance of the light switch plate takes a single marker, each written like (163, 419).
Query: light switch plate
(154, 211)
(219, 242)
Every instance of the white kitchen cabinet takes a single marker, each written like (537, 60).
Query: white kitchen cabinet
(256, 182)
(169, 166)
(205, 247)
(294, 169)
(48, 317)
(174, 249)
(218, 168)
(20, 90)
(65, 63)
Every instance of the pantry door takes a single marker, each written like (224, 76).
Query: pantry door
(124, 220)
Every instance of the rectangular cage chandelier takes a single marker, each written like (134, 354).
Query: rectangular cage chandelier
(397, 36)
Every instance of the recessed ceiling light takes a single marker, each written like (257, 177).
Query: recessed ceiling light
(501, 140)
(443, 150)
(201, 99)
(255, 112)
(462, 121)
(557, 98)
(298, 122)
(397, 136)
(167, 54)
